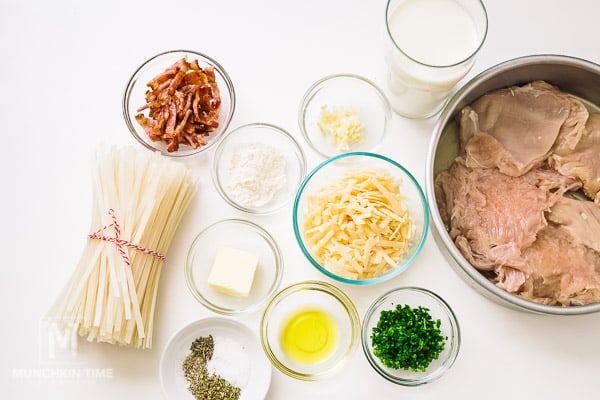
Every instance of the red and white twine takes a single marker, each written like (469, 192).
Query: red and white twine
(121, 243)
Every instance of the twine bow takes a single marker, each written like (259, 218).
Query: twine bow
(121, 243)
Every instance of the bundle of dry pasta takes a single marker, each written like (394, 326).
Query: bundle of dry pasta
(139, 199)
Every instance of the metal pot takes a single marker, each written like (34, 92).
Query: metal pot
(576, 76)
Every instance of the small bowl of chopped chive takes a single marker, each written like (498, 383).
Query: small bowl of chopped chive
(344, 112)
(410, 336)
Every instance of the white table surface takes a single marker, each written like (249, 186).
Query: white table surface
(64, 65)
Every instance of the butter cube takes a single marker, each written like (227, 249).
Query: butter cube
(233, 271)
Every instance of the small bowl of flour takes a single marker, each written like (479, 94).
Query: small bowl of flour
(258, 167)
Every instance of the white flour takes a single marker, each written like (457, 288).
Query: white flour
(256, 174)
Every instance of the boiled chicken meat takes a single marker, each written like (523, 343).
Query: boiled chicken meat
(559, 271)
(511, 200)
(493, 217)
(580, 219)
(514, 129)
(581, 158)
(562, 266)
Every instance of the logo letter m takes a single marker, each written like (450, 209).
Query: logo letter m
(65, 338)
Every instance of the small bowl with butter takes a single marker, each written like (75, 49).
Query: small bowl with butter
(342, 113)
(233, 266)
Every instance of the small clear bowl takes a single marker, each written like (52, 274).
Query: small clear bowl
(345, 92)
(335, 167)
(257, 134)
(438, 309)
(306, 295)
(135, 97)
(242, 235)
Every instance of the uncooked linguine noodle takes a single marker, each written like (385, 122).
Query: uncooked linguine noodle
(139, 199)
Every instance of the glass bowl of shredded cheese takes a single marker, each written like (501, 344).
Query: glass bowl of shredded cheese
(360, 218)
(258, 167)
(179, 103)
(342, 113)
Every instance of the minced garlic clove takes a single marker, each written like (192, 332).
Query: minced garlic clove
(343, 125)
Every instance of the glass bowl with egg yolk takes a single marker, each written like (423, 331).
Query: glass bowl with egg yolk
(309, 329)
(309, 335)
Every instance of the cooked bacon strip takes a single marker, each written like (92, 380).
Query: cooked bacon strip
(183, 105)
(171, 120)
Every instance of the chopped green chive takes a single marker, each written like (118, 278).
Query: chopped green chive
(407, 338)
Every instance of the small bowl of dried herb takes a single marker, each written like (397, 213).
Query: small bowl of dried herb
(410, 336)
(216, 358)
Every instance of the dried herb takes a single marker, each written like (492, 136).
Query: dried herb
(203, 347)
(195, 371)
(407, 338)
(216, 387)
(201, 384)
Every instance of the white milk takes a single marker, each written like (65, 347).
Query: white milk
(442, 37)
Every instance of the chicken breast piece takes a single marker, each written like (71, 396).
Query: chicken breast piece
(579, 219)
(493, 217)
(514, 129)
(562, 266)
(559, 271)
(581, 158)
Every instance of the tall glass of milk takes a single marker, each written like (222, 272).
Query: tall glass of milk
(430, 45)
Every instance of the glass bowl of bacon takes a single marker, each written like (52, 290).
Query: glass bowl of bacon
(179, 103)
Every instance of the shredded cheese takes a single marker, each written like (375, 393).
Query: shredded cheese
(344, 127)
(358, 226)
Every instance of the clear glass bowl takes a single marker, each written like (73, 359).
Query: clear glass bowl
(251, 199)
(335, 167)
(344, 92)
(135, 92)
(242, 235)
(303, 296)
(438, 309)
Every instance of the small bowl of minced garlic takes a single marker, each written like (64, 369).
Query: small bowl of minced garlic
(342, 113)
(258, 167)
